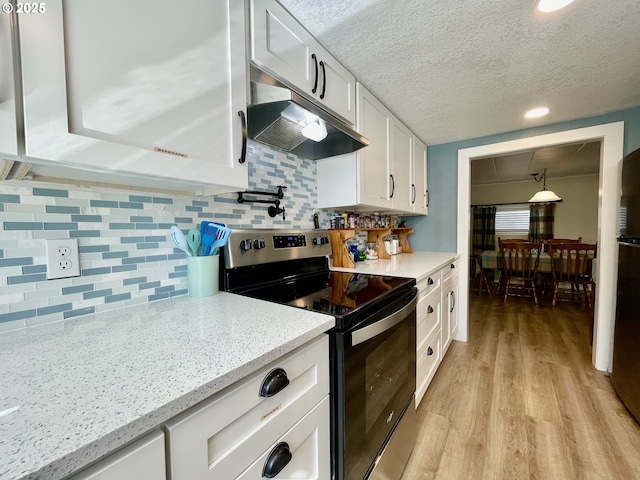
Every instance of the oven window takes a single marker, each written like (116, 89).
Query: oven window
(379, 381)
(386, 372)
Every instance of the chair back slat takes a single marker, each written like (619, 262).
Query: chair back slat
(521, 259)
(571, 262)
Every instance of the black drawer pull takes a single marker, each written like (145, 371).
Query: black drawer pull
(275, 381)
(453, 265)
(279, 457)
(315, 82)
(429, 351)
(429, 281)
(429, 309)
(243, 153)
(324, 80)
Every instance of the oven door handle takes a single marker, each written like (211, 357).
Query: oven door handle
(366, 333)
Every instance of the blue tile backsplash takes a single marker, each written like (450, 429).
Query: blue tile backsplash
(126, 254)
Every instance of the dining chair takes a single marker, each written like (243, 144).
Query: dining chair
(501, 279)
(547, 281)
(571, 269)
(477, 275)
(520, 263)
(561, 240)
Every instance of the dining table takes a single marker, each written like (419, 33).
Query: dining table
(492, 260)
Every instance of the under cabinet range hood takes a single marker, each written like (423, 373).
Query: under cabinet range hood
(282, 118)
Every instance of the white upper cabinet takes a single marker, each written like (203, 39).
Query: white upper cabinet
(282, 47)
(402, 167)
(389, 175)
(374, 162)
(420, 194)
(145, 89)
(8, 132)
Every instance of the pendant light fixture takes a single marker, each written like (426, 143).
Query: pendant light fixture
(544, 195)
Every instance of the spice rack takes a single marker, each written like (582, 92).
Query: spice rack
(338, 237)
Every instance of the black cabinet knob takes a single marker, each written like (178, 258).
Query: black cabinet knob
(429, 281)
(429, 309)
(429, 351)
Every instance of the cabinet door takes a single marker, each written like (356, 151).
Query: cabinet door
(420, 195)
(374, 122)
(145, 88)
(450, 315)
(8, 132)
(337, 87)
(402, 160)
(281, 46)
(284, 48)
(143, 460)
(453, 322)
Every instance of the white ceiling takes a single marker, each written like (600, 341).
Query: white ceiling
(560, 161)
(453, 70)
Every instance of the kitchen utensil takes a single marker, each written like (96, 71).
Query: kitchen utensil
(179, 240)
(208, 237)
(194, 241)
(222, 237)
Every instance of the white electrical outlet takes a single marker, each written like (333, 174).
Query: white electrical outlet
(63, 259)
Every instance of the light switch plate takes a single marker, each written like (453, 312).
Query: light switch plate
(63, 259)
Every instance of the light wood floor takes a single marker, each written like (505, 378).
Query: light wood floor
(521, 400)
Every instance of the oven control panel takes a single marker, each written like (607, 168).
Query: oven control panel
(287, 241)
(248, 247)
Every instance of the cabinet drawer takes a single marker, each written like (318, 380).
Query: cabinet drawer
(224, 435)
(428, 317)
(428, 360)
(429, 284)
(143, 460)
(450, 270)
(308, 443)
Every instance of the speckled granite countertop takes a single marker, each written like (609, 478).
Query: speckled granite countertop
(415, 265)
(72, 391)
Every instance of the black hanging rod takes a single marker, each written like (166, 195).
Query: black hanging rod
(273, 211)
(279, 194)
(499, 204)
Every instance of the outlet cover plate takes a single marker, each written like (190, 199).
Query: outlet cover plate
(63, 259)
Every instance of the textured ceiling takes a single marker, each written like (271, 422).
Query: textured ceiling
(453, 70)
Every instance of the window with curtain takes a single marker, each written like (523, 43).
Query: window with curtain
(541, 221)
(484, 229)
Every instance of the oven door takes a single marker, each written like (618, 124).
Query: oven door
(376, 380)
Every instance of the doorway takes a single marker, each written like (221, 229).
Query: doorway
(611, 135)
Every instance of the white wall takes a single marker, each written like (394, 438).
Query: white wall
(577, 214)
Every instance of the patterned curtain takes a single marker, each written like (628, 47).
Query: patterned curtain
(484, 229)
(541, 221)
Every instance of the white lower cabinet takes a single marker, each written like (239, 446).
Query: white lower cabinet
(142, 460)
(450, 312)
(237, 430)
(306, 445)
(428, 352)
(436, 322)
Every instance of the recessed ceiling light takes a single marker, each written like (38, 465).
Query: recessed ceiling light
(552, 5)
(537, 112)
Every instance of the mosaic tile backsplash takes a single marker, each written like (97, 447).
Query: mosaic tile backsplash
(126, 253)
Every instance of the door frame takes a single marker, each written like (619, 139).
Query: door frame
(611, 136)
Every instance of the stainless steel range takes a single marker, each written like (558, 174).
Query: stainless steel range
(373, 345)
